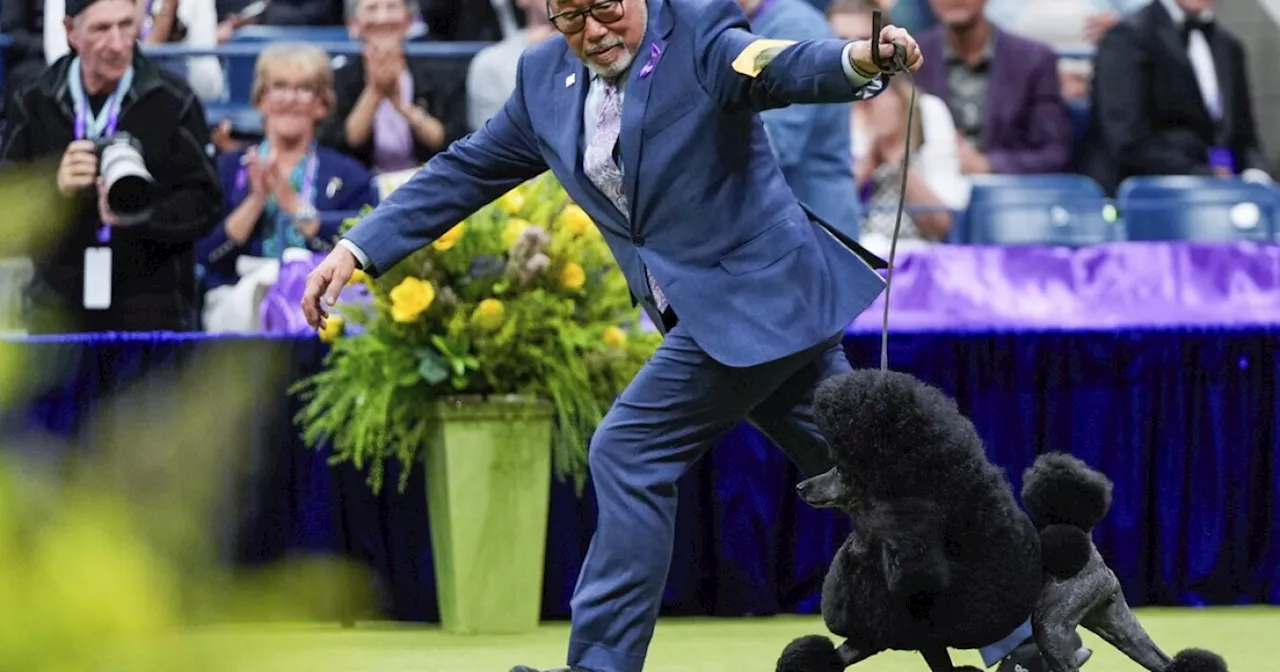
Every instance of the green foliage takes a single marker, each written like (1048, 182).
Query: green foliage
(523, 297)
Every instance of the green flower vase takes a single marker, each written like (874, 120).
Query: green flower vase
(488, 473)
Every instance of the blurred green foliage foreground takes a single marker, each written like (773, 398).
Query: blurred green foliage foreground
(109, 550)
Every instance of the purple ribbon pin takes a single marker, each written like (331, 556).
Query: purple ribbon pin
(654, 54)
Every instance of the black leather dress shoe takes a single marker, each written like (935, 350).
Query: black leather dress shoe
(1027, 658)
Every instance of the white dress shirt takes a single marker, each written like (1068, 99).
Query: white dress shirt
(591, 110)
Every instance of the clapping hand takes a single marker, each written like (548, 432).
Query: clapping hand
(383, 63)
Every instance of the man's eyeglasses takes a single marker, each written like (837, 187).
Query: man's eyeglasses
(574, 20)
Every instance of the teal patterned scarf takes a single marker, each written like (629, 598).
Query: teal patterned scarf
(278, 232)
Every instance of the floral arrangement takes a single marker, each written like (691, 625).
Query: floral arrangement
(522, 298)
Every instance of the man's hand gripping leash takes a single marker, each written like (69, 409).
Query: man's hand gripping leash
(895, 65)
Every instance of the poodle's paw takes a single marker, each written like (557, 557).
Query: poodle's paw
(811, 653)
(1197, 660)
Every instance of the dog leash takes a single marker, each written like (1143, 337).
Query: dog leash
(897, 64)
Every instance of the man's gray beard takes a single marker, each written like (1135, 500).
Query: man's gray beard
(616, 68)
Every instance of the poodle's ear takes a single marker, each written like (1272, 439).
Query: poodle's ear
(1060, 489)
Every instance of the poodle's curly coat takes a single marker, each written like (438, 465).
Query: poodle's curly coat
(940, 556)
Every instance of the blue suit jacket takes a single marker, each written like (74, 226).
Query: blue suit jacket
(812, 142)
(342, 185)
(752, 275)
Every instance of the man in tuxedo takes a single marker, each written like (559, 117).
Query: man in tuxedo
(646, 111)
(1171, 97)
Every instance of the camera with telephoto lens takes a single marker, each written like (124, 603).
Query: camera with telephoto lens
(130, 187)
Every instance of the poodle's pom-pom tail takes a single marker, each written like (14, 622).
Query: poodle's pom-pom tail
(811, 653)
(1197, 660)
(1062, 490)
(1064, 550)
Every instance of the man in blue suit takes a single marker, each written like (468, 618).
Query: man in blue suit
(646, 111)
(813, 143)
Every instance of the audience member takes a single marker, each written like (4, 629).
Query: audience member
(1171, 97)
(193, 23)
(1003, 92)
(812, 142)
(935, 186)
(274, 196)
(112, 272)
(1070, 25)
(277, 190)
(24, 59)
(391, 113)
(469, 20)
(491, 76)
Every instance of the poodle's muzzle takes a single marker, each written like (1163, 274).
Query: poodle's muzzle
(832, 489)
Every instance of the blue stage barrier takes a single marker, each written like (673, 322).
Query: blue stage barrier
(1183, 420)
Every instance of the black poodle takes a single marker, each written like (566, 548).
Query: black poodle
(940, 556)
(1066, 499)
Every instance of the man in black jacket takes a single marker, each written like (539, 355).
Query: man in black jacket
(106, 272)
(1171, 97)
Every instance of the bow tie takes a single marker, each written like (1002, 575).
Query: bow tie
(1196, 23)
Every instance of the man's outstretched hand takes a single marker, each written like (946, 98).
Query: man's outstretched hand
(326, 281)
(861, 52)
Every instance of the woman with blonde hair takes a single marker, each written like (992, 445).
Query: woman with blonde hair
(277, 191)
(935, 186)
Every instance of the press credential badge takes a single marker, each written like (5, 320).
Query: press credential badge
(97, 277)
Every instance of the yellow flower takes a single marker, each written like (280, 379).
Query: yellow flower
(511, 202)
(449, 238)
(489, 314)
(575, 220)
(358, 276)
(410, 298)
(615, 338)
(515, 227)
(332, 328)
(572, 277)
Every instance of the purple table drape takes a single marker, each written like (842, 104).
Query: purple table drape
(1107, 286)
(953, 287)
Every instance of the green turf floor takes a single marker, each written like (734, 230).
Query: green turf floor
(1249, 638)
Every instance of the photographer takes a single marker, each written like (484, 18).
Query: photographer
(132, 139)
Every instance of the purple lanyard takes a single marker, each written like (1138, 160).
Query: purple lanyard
(82, 121)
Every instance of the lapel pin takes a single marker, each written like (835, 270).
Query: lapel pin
(569, 81)
(334, 185)
(655, 52)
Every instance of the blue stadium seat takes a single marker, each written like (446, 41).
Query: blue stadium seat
(1198, 208)
(1056, 209)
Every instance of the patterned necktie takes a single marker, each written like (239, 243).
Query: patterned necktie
(604, 172)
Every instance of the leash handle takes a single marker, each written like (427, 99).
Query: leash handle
(897, 64)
